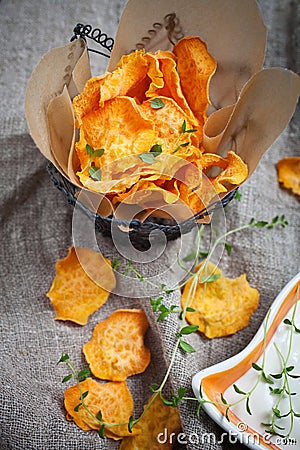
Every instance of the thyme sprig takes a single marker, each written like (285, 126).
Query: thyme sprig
(183, 131)
(94, 172)
(199, 275)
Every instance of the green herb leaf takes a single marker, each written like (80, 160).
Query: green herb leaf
(248, 406)
(156, 148)
(293, 376)
(99, 152)
(84, 373)
(85, 394)
(203, 254)
(189, 329)
(156, 103)
(187, 348)
(256, 367)
(238, 390)
(166, 401)
(77, 407)
(210, 278)
(190, 257)
(155, 303)
(99, 416)
(277, 376)
(95, 173)
(276, 391)
(67, 378)
(183, 126)
(228, 248)
(163, 315)
(227, 414)
(276, 412)
(115, 263)
(192, 130)
(261, 224)
(64, 358)
(238, 196)
(131, 423)
(266, 378)
(287, 322)
(147, 157)
(153, 387)
(290, 368)
(190, 309)
(224, 401)
(101, 432)
(89, 149)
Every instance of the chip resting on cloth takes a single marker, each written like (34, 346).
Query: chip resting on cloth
(223, 306)
(116, 349)
(153, 425)
(289, 173)
(112, 399)
(81, 285)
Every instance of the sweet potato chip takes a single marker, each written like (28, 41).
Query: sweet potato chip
(235, 172)
(81, 286)
(196, 67)
(116, 349)
(119, 128)
(168, 123)
(89, 99)
(158, 418)
(129, 73)
(114, 401)
(289, 173)
(223, 306)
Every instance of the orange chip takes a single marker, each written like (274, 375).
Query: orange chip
(170, 87)
(74, 294)
(196, 67)
(112, 399)
(89, 99)
(235, 172)
(153, 424)
(223, 306)
(289, 173)
(129, 73)
(116, 349)
(167, 122)
(119, 128)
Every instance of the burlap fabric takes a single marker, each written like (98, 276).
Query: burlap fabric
(36, 231)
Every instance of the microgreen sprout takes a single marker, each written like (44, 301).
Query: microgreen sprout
(183, 130)
(94, 172)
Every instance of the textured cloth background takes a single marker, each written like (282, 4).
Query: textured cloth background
(36, 231)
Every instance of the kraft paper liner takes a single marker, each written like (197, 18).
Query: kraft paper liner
(80, 74)
(234, 32)
(266, 104)
(47, 81)
(61, 125)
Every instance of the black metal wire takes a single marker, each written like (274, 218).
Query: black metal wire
(96, 35)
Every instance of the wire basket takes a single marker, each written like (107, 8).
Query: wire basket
(139, 231)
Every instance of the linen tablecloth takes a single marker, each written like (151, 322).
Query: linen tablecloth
(36, 231)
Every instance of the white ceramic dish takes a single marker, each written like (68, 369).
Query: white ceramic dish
(238, 370)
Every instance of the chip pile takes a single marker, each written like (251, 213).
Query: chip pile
(223, 306)
(141, 129)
